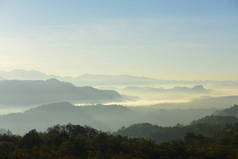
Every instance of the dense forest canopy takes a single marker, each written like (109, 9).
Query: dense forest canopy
(208, 126)
(77, 142)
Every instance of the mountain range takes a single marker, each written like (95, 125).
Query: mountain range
(201, 102)
(195, 89)
(210, 125)
(98, 116)
(232, 111)
(106, 80)
(35, 92)
(113, 117)
(102, 117)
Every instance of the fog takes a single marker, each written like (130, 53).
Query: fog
(33, 100)
(118, 79)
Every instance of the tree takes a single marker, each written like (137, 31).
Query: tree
(32, 139)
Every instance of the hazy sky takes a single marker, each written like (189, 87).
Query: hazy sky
(168, 39)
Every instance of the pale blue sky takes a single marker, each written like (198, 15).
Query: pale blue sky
(168, 39)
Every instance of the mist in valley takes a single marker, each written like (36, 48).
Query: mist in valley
(40, 103)
(122, 79)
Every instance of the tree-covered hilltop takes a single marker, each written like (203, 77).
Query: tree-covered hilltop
(208, 126)
(102, 117)
(232, 111)
(77, 142)
(216, 120)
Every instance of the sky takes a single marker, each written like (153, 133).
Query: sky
(166, 39)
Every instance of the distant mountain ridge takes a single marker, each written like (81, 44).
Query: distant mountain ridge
(216, 120)
(97, 116)
(233, 111)
(105, 80)
(195, 89)
(33, 92)
(206, 126)
(203, 102)
(103, 117)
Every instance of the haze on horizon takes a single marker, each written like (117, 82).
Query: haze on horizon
(163, 70)
(185, 40)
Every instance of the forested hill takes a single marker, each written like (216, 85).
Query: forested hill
(207, 126)
(77, 142)
(102, 117)
(233, 111)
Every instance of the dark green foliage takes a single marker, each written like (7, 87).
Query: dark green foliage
(207, 126)
(31, 139)
(77, 142)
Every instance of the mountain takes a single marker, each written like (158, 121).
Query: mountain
(102, 117)
(216, 120)
(18, 92)
(90, 79)
(207, 126)
(86, 79)
(202, 102)
(108, 80)
(98, 116)
(233, 112)
(195, 89)
(129, 80)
